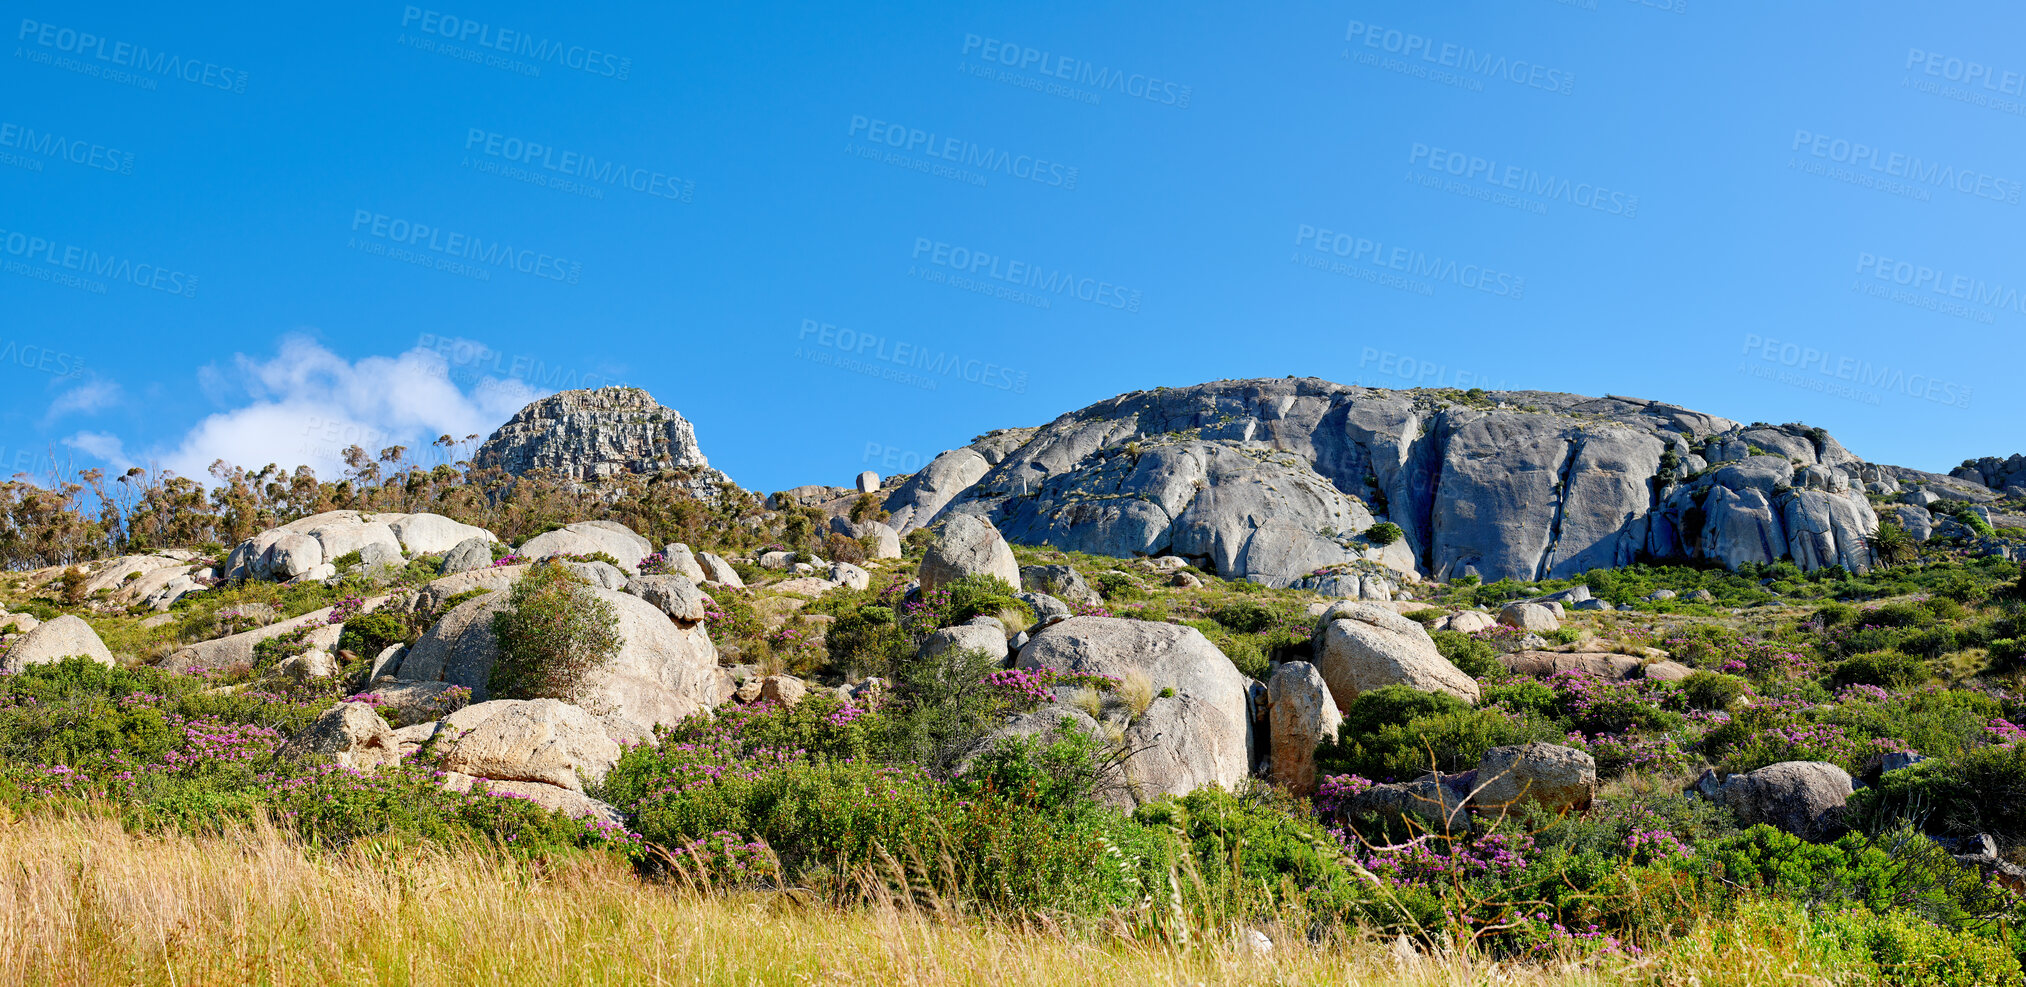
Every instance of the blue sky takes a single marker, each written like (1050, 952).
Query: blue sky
(839, 240)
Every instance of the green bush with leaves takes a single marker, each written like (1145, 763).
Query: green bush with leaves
(1384, 533)
(552, 633)
(1398, 733)
(1888, 669)
(986, 596)
(1475, 657)
(367, 634)
(1713, 690)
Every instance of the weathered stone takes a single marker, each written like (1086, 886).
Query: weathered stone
(717, 570)
(1555, 777)
(784, 689)
(682, 562)
(345, 728)
(1805, 798)
(1529, 617)
(1302, 715)
(587, 538)
(1200, 734)
(1467, 621)
(1362, 646)
(543, 740)
(428, 534)
(867, 482)
(966, 637)
(1060, 581)
(849, 576)
(55, 640)
(468, 555)
(676, 596)
(968, 546)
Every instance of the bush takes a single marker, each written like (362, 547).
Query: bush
(1384, 533)
(839, 547)
(1244, 616)
(1713, 690)
(986, 596)
(1888, 669)
(368, 634)
(1398, 733)
(551, 634)
(1475, 657)
(1120, 587)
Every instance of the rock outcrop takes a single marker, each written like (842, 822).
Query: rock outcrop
(968, 546)
(1277, 479)
(1805, 798)
(1302, 715)
(593, 434)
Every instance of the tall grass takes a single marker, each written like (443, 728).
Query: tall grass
(84, 902)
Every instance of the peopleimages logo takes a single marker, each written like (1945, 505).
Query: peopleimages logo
(1404, 261)
(30, 250)
(1914, 169)
(1153, 89)
(108, 56)
(1022, 274)
(520, 44)
(1826, 367)
(41, 144)
(900, 357)
(963, 153)
(1526, 181)
(576, 165)
(1467, 61)
(465, 246)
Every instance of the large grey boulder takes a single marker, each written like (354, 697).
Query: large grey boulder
(917, 502)
(288, 555)
(682, 562)
(675, 596)
(1919, 524)
(867, 482)
(1362, 646)
(885, 540)
(1060, 581)
(717, 570)
(1200, 734)
(468, 555)
(349, 728)
(429, 534)
(540, 740)
(1805, 798)
(1529, 617)
(968, 546)
(1552, 776)
(55, 640)
(589, 537)
(663, 672)
(1302, 715)
(849, 576)
(966, 637)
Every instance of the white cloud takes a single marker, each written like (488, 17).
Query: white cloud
(103, 446)
(93, 394)
(308, 404)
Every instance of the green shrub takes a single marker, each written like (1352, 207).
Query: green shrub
(1426, 616)
(1120, 587)
(1384, 533)
(348, 560)
(466, 596)
(1476, 658)
(1244, 650)
(1713, 690)
(1244, 616)
(370, 633)
(1888, 669)
(984, 596)
(1981, 790)
(1910, 952)
(551, 633)
(1398, 733)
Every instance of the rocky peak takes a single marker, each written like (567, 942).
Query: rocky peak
(593, 434)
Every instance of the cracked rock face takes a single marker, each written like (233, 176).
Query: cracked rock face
(1278, 480)
(589, 435)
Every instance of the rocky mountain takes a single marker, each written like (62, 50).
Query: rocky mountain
(1287, 480)
(594, 434)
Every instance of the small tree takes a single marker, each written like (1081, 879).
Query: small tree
(1384, 533)
(552, 632)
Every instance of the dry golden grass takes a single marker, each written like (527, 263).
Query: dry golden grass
(84, 902)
